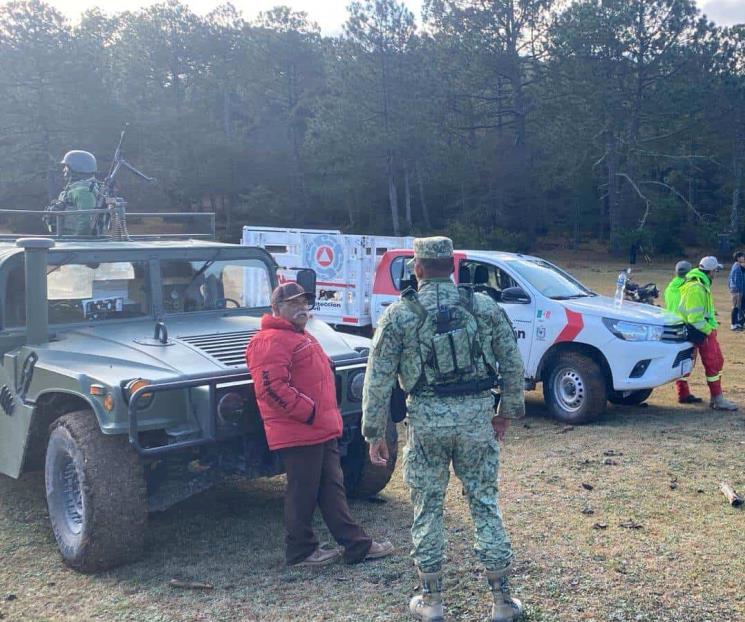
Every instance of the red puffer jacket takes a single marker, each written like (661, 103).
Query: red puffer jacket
(294, 385)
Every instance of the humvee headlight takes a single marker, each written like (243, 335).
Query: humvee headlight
(356, 382)
(230, 407)
(134, 385)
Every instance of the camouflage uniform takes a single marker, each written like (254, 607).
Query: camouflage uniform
(449, 429)
(79, 195)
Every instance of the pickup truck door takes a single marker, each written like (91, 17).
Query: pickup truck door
(492, 279)
(392, 276)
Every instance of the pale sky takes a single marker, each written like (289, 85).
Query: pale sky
(331, 14)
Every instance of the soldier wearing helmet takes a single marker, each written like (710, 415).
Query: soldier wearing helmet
(81, 191)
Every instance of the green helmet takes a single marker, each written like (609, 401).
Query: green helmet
(80, 162)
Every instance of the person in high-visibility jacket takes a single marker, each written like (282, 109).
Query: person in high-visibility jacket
(672, 302)
(697, 310)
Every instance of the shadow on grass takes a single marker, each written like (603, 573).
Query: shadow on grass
(233, 534)
(645, 415)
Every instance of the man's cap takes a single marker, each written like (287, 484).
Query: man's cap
(683, 267)
(437, 247)
(289, 291)
(709, 264)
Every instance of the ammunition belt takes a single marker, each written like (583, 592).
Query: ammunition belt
(457, 389)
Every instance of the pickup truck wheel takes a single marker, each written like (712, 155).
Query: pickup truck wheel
(633, 398)
(96, 494)
(362, 479)
(574, 388)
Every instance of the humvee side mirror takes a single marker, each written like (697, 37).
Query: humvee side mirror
(306, 278)
(515, 295)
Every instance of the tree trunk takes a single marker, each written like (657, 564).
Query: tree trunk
(393, 196)
(350, 210)
(407, 198)
(213, 209)
(422, 200)
(296, 138)
(51, 171)
(738, 165)
(227, 123)
(613, 192)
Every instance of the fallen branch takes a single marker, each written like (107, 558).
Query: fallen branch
(677, 194)
(190, 585)
(734, 499)
(647, 202)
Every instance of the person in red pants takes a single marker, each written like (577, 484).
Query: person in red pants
(296, 394)
(697, 310)
(672, 302)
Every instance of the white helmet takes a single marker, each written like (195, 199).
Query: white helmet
(710, 264)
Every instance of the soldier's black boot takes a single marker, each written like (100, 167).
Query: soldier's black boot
(505, 607)
(427, 606)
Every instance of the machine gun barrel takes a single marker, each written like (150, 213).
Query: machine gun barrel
(117, 163)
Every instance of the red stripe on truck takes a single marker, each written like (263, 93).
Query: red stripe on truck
(383, 284)
(573, 326)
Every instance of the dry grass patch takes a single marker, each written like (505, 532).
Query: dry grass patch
(669, 551)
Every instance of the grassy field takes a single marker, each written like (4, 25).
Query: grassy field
(654, 540)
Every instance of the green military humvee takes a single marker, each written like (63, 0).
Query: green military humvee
(123, 377)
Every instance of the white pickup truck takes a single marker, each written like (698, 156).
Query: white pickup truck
(582, 347)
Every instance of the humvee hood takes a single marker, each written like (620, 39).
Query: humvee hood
(196, 345)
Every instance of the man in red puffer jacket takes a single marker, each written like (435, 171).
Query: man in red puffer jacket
(296, 393)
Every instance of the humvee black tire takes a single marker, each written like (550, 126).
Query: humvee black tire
(574, 388)
(632, 399)
(96, 494)
(362, 479)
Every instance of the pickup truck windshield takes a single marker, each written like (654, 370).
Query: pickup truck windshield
(549, 280)
(208, 284)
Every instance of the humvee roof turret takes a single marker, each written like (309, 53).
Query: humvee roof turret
(123, 376)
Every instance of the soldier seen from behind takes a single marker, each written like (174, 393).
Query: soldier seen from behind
(81, 192)
(446, 345)
(672, 302)
(697, 310)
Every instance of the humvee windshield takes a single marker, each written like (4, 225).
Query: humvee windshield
(100, 291)
(80, 292)
(205, 285)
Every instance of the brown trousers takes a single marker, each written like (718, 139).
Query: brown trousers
(314, 477)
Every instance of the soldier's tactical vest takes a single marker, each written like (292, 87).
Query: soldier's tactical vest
(449, 351)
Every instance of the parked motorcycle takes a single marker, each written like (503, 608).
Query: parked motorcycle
(641, 293)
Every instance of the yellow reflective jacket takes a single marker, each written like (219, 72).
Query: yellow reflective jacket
(696, 303)
(672, 294)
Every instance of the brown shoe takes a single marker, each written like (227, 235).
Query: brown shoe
(379, 549)
(320, 557)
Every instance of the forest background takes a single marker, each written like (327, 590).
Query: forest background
(508, 124)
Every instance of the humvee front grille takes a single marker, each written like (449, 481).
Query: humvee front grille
(228, 348)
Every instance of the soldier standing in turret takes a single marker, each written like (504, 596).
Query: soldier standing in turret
(446, 347)
(80, 193)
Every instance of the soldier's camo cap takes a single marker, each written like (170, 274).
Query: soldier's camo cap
(437, 247)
